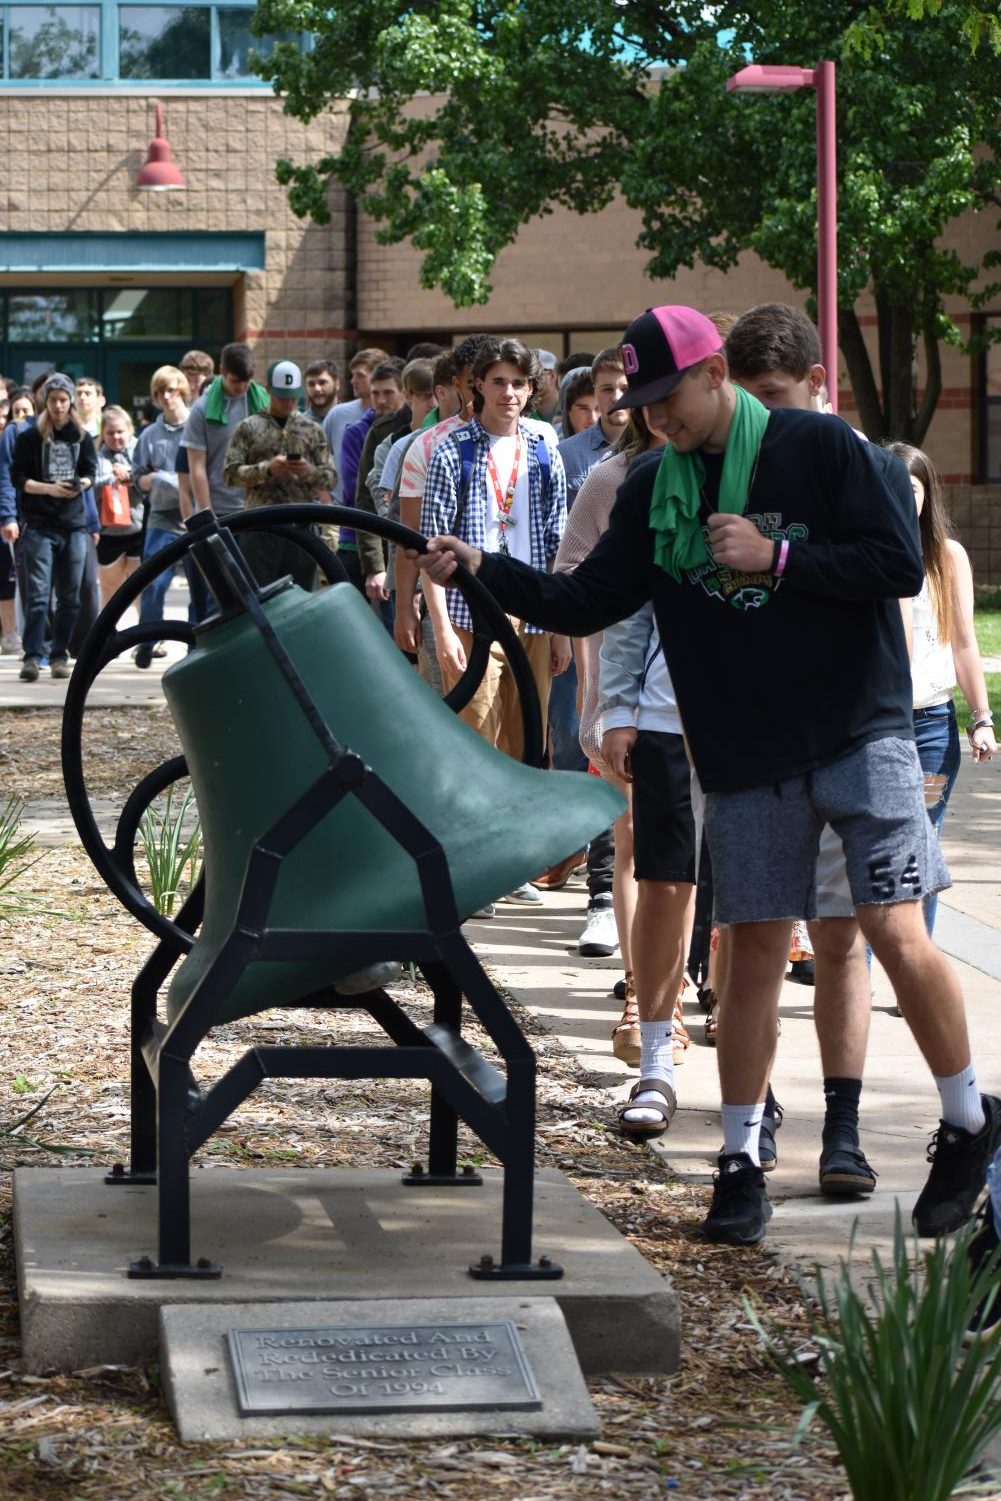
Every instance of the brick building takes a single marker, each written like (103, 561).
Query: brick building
(102, 277)
(572, 283)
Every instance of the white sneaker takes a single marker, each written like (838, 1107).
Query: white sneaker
(10, 645)
(600, 937)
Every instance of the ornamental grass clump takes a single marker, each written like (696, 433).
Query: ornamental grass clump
(15, 848)
(909, 1403)
(171, 839)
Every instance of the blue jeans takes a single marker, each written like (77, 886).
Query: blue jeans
(154, 596)
(564, 724)
(53, 560)
(936, 734)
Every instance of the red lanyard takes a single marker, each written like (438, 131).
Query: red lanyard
(505, 498)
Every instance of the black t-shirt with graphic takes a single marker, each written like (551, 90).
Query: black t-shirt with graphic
(69, 456)
(773, 676)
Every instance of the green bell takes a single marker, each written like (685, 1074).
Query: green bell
(251, 754)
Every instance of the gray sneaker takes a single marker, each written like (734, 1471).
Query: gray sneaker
(526, 893)
(59, 667)
(29, 670)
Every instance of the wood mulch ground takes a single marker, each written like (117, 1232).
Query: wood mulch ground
(721, 1428)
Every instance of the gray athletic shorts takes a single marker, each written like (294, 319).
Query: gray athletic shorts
(834, 895)
(764, 841)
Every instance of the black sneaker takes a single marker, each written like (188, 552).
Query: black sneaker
(802, 972)
(767, 1150)
(740, 1209)
(143, 655)
(959, 1161)
(843, 1166)
(983, 1246)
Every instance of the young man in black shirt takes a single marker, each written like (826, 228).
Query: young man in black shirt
(767, 540)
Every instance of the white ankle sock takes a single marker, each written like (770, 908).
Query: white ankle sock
(656, 1062)
(741, 1128)
(656, 1057)
(961, 1105)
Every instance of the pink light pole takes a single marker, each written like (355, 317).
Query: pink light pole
(766, 78)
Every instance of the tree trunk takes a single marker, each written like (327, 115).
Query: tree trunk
(898, 390)
(933, 382)
(860, 373)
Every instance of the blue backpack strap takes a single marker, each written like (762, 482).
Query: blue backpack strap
(467, 453)
(542, 454)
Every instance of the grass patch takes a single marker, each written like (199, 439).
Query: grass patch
(987, 622)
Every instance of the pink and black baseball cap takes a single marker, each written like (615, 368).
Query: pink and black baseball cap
(658, 347)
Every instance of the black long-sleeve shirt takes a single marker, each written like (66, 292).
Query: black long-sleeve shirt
(70, 454)
(773, 676)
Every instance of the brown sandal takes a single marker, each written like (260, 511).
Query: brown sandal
(639, 1130)
(626, 1037)
(712, 1025)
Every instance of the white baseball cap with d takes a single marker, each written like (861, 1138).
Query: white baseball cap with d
(285, 379)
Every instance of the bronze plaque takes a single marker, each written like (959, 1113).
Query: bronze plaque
(382, 1368)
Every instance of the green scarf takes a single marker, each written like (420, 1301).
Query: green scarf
(674, 509)
(215, 401)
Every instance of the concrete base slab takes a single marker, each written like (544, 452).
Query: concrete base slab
(200, 1390)
(319, 1235)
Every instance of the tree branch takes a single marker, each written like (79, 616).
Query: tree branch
(853, 347)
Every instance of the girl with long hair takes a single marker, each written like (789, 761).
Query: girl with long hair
(944, 649)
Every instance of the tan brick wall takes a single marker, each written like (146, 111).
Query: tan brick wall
(563, 271)
(72, 163)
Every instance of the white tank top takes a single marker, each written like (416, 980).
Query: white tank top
(933, 671)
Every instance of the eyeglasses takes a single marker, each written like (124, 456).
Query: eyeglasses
(500, 384)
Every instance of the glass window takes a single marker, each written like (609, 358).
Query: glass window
(148, 313)
(48, 41)
(161, 41)
(53, 317)
(236, 43)
(213, 317)
(992, 397)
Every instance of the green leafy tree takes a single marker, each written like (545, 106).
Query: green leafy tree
(468, 119)
(981, 24)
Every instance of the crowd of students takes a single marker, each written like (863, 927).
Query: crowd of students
(674, 525)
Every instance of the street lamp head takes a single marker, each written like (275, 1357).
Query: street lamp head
(160, 173)
(770, 78)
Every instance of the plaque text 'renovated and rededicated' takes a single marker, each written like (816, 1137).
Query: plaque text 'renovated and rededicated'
(382, 1368)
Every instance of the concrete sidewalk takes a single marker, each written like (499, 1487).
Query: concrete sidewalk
(533, 953)
(121, 685)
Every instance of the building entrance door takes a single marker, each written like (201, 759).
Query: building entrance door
(127, 374)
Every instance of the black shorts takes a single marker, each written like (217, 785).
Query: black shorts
(663, 826)
(110, 549)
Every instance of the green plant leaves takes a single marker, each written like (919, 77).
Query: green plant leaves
(909, 1403)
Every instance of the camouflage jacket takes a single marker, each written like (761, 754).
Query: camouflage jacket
(256, 440)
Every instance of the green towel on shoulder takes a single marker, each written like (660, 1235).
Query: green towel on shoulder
(215, 401)
(674, 508)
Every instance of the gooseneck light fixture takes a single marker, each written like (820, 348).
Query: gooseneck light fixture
(160, 173)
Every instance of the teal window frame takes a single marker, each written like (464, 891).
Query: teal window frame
(110, 46)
